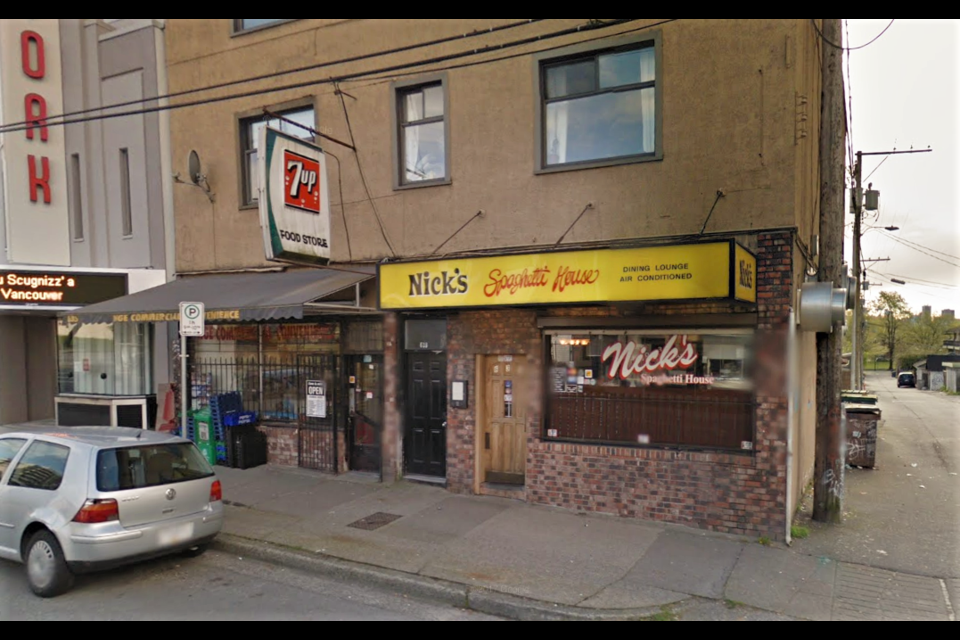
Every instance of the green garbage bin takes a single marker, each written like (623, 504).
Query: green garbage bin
(204, 435)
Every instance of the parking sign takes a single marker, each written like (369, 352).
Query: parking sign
(192, 319)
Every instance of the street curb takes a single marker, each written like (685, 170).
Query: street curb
(447, 592)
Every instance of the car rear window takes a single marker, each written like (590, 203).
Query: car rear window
(150, 466)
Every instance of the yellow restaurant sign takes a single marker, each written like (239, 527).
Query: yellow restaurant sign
(686, 272)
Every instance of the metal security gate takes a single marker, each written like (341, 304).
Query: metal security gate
(291, 391)
(319, 411)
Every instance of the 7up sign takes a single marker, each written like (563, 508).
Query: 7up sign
(294, 199)
(301, 182)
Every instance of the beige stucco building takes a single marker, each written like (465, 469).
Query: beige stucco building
(686, 149)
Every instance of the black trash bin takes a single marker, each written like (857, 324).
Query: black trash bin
(232, 436)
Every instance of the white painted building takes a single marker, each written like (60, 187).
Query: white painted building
(84, 212)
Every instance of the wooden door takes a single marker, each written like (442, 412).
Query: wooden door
(426, 433)
(505, 437)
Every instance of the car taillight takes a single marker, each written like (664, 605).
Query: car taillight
(216, 492)
(98, 511)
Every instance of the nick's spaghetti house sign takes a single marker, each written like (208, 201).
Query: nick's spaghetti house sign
(719, 270)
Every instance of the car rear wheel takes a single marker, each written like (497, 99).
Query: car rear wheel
(196, 552)
(47, 570)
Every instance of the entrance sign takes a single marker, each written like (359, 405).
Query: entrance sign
(192, 320)
(294, 199)
(316, 399)
(710, 271)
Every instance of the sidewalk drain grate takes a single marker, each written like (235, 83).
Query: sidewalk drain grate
(374, 522)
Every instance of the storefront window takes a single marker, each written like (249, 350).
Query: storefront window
(267, 364)
(669, 389)
(107, 360)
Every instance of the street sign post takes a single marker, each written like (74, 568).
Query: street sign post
(192, 325)
(192, 319)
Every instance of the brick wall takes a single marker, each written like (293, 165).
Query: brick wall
(282, 446)
(392, 437)
(741, 494)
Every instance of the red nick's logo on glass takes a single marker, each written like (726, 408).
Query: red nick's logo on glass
(627, 360)
(301, 182)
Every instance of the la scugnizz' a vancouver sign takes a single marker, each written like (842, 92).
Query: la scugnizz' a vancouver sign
(656, 367)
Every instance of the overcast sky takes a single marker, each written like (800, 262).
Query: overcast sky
(906, 92)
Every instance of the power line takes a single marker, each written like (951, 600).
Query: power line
(363, 177)
(464, 65)
(931, 283)
(952, 264)
(343, 208)
(849, 96)
(920, 246)
(816, 27)
(876, 168)
(394, 69)
(278, 74)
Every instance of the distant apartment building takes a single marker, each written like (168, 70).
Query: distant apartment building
(81, 217)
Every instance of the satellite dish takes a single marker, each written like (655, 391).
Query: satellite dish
(195, 169)
(197, 179)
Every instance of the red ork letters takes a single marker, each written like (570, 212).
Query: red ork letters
(36, 109)
(34, 69)
(33, 61)
(39, 182)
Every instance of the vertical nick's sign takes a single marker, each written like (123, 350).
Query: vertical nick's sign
(34, 156)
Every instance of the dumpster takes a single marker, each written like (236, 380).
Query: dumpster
(863, 421)
(204, 436)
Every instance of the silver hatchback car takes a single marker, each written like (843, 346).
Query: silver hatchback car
(81, 500)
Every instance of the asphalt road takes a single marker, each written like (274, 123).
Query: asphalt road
(904, 515)
(214, 587)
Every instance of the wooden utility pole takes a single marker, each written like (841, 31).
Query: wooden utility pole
(829, 474)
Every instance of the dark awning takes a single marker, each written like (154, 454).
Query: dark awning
(242, 297)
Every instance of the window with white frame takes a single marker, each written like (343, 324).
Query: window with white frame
(250, 129)
(422, 135)
(599, 107)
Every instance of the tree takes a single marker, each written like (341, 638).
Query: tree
(893, 311)
(925, 335)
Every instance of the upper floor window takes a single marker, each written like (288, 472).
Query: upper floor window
(249, 24)
(250, 129)
(599, 107)
(422, 134)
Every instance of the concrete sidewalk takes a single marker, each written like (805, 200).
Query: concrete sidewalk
(494, 550)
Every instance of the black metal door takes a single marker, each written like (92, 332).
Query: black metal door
(426, 425)
(365, 413)
(318, 441)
